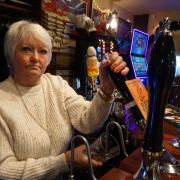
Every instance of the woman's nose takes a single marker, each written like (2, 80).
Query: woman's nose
(35, 57)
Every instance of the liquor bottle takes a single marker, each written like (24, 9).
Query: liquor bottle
(119, 81)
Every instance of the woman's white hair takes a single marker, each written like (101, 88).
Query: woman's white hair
(21, 30)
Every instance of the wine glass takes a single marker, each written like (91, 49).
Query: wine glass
(98, 148)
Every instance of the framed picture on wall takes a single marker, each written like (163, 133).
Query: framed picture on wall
(75, 7)
(124, 28)
(100, 19)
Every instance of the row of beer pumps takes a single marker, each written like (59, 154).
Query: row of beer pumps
(161, 72)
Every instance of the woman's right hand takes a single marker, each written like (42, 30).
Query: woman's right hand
(81, 158)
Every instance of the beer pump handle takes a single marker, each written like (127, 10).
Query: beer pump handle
(161, 73)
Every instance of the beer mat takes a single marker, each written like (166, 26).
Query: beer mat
(172, 113)
(168, 110)
(169, 117)
(173, 119)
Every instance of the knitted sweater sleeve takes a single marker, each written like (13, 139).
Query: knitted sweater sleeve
(13, 169)
(86, 116)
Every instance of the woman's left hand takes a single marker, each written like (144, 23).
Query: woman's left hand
(81, 158)
(117, 65)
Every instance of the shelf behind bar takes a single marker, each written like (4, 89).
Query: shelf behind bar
(16, 7)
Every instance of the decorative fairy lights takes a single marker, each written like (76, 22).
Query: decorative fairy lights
(111, 47)
(105, 46)
(99, 8)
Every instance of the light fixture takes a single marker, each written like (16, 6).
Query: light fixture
(113, 22)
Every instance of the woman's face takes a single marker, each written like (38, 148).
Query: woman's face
(31, 61)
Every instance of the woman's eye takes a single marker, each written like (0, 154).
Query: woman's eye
(26, 49)
(43, 51)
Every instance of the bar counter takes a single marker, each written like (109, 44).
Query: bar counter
(130, 165)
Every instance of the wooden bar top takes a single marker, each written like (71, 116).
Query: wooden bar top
(117, 174)
(130, 165)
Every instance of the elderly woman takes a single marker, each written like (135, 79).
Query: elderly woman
(38, 111)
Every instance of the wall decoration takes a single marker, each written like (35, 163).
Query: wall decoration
(74, 7)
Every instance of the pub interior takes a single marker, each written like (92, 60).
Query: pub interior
(140, 139)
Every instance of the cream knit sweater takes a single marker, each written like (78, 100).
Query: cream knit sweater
(36, 126)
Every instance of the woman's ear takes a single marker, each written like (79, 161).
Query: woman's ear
(10, 67)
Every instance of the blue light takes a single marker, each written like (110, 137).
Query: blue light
(177, 66)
